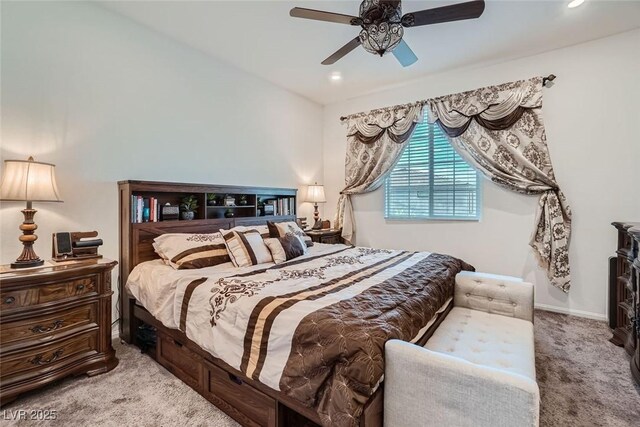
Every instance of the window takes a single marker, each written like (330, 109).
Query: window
(431, 181)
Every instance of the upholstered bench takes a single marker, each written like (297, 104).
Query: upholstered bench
(478, 368)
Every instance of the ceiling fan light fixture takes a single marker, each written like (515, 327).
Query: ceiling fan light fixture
(381, 38)
(382, 25)
(574, 3)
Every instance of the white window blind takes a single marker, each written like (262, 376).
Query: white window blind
(431, 181)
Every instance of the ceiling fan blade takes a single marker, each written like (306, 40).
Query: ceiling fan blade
(404, 54)
(455, 12)
(342, 51)
(319, 15)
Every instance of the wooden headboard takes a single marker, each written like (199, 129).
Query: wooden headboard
(136, 238)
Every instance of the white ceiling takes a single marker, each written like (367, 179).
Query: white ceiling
(261, 38)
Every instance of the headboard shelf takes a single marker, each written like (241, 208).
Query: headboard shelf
(136, 238)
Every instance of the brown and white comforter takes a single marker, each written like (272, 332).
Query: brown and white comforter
(315, 327)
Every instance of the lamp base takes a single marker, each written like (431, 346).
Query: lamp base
(26, 264)
(28, 257)
(316, 218)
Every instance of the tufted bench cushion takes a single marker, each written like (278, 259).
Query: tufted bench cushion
(492, 293)
(478, 368)
(487, 340)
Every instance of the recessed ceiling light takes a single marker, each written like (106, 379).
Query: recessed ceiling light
(335, 76)
(574, 3)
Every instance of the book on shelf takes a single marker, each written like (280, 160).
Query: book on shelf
(282, 206)
(144, 209)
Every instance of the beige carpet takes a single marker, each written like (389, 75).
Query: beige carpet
(584, 381)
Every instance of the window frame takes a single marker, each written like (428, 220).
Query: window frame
(431, 217)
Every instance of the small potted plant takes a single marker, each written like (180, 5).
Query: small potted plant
(212, 199)
(229, 213)
(188, 207)
(260, 204)
(243, 199)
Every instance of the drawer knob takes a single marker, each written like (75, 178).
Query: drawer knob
(80, 287)
(40, 360)
(9, 300)
(39, 329)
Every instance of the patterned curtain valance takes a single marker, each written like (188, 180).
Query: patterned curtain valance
(396, 122)
(499, 131)
(494, 107)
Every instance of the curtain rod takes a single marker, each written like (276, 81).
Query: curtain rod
(545, 80)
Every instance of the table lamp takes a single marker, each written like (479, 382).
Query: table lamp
(28, 181)
(315, 195)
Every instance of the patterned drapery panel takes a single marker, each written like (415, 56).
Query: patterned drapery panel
(499, 131)
(374, 145)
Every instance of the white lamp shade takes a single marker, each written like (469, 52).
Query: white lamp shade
(26, 180)
(315, 194)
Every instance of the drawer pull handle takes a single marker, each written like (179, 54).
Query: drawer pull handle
(235, 379)
(39, 329)
(9, 300)
(39, 360)
(80, 287)
(177, 343)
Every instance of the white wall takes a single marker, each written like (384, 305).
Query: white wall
(105, 100)
(591, 116)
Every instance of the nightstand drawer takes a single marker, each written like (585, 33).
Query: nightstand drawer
(331, 240)
(45, 326)
(327, 236)
(37, 361)
(35, 295)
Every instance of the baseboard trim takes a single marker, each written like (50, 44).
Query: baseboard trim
(578, 313)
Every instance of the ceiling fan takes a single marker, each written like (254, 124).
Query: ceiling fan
(383, 25)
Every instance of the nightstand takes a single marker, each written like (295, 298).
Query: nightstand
(329, 236)
(55, 321)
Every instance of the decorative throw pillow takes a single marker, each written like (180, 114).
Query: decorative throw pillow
(246, 247)
(279, 229)
(285, 248)
(262, 229)
(189, 251)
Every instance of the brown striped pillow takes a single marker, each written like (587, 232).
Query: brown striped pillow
(246, 248)
(189, 251)
(262, 229)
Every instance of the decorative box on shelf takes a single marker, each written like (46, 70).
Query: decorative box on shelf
(170, 212)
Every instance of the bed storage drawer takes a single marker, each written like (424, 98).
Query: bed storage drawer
(179, 360)
(241, 401)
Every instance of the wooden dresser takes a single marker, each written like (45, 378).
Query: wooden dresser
(635, 358)
(624, 272)
(55, 321)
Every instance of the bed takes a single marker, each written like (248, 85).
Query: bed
(298, 343)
